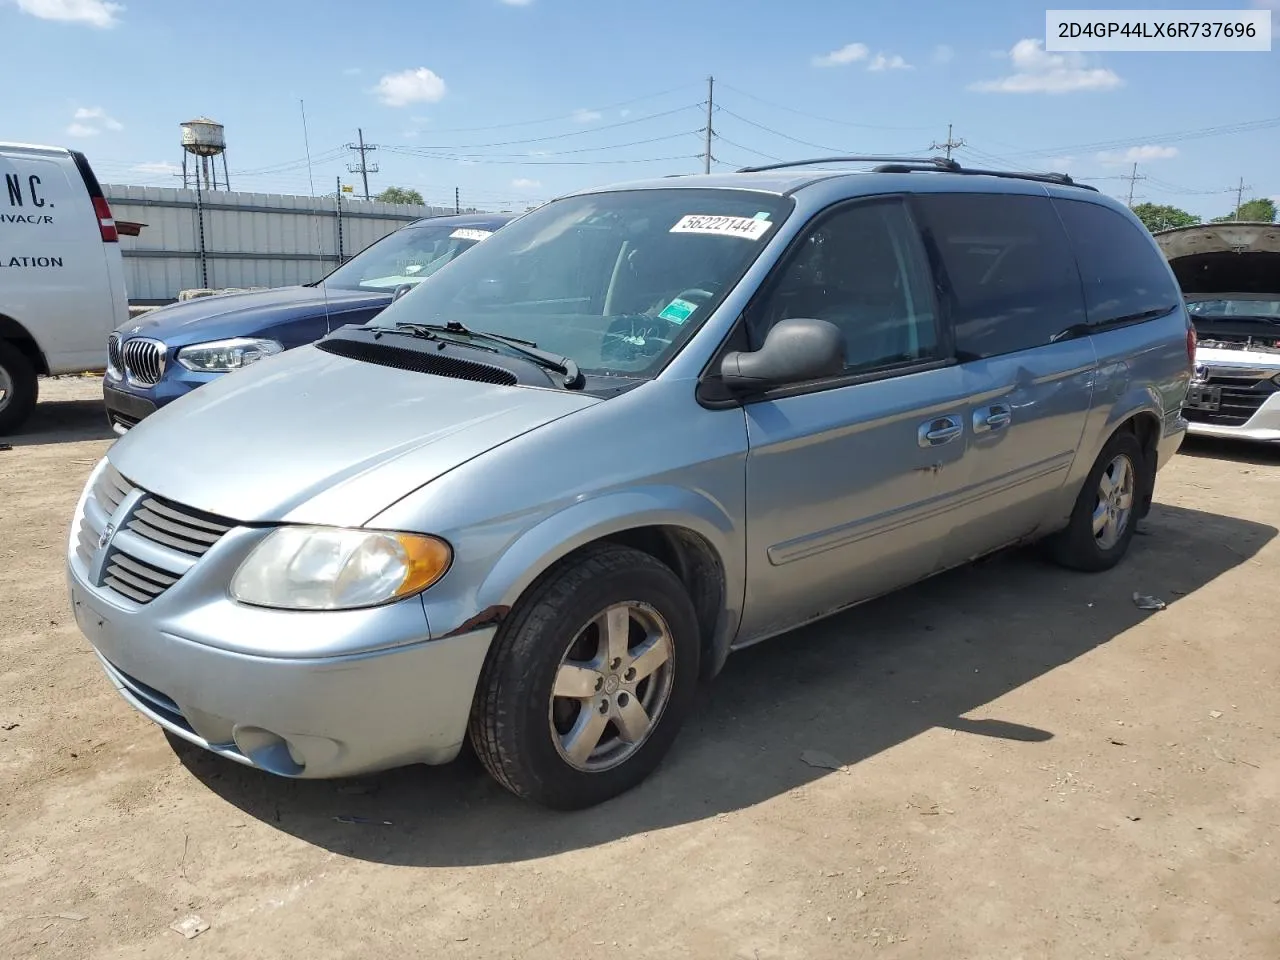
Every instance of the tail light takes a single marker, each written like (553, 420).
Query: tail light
(1191, 344)
(106, 223)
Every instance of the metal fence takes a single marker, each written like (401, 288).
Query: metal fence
(225, 239)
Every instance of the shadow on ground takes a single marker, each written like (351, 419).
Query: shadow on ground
(849, 687)
(63, 421)
(1236, 451)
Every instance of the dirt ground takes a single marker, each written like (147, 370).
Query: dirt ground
(1029, 766)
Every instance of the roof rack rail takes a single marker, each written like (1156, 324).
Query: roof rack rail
(1058, 178)
(923, 163)
(926, 165)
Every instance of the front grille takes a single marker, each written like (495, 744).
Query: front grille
(418, 362)
(143, 360)
(181, 528)
(1237, 405)
(114, 361)
(169, 538)
(140, 582)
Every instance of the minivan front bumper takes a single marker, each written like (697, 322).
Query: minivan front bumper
(306, 718)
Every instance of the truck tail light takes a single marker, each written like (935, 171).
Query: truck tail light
(106, 223)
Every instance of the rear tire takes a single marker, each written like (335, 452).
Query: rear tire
(589, 680)
(18, 388)
(1105, 515)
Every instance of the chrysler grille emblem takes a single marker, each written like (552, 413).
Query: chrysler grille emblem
(106, 536)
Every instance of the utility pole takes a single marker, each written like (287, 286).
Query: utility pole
(1133, 179)
(948, 145)
(364, 168)
(1240, 189)
(711, 100)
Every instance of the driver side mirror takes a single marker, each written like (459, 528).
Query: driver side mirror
(794, 350)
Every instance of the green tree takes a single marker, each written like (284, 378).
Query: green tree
(400, 195)
(1261, 210)
(1163, 217)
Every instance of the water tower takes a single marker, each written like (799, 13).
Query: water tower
(204, 138)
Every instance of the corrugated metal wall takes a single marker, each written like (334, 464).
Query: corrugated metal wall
(250, 239)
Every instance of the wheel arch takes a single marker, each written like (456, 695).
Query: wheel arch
(18, 335)
(688, 532)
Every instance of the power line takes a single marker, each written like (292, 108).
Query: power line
(563, 136)
(814, 116)
(433, 152)
(563, 117)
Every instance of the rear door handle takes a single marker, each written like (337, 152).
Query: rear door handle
(995, 417)
(939, 430)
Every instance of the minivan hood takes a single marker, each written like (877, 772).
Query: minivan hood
(244, 314)
(307, 437)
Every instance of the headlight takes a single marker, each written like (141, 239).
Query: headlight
(327, 568)
(223, 356)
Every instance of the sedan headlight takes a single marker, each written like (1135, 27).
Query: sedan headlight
(328, 568)
(223, 356)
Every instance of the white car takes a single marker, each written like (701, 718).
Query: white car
(61, 273)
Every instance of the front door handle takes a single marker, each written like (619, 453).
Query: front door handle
(939, 430)
(995, 417)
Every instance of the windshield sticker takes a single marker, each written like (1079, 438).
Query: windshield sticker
(747, 227)
(678, 311)
(468, 233)
(762, 215)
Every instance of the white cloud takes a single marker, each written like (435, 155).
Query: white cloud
(624, 113)
(517, 3)
(352, 72)
(943, 54)
(1142, 154)
(524, 183)
(95, 13)
(1037, 71)
(1059, 164)
(410, 86)
(585, 116)
(849, 53)
(91, 121)
(892, 62)
(159, 168)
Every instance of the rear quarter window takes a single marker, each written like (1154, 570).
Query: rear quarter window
(1008, 276)
(1124, 275)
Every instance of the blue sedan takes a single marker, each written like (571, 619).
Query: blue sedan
(165, 354)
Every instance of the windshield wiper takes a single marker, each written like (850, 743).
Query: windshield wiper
(573, 378)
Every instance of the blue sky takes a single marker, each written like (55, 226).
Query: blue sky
(515, 102)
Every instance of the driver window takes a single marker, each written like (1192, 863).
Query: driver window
(861, 268)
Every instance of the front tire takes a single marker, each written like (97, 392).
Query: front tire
(1105, 515)
(18, 388)
(589, 680)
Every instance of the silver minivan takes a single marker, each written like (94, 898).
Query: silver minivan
(540, 496)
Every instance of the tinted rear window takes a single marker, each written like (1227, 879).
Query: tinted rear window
(1011, 281)
(1124, 275)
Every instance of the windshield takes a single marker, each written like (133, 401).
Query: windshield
(409, 255)
(616, 282)
(1210, 309)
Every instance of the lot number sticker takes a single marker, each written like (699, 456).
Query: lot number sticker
(467, 233)
(746, 227)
